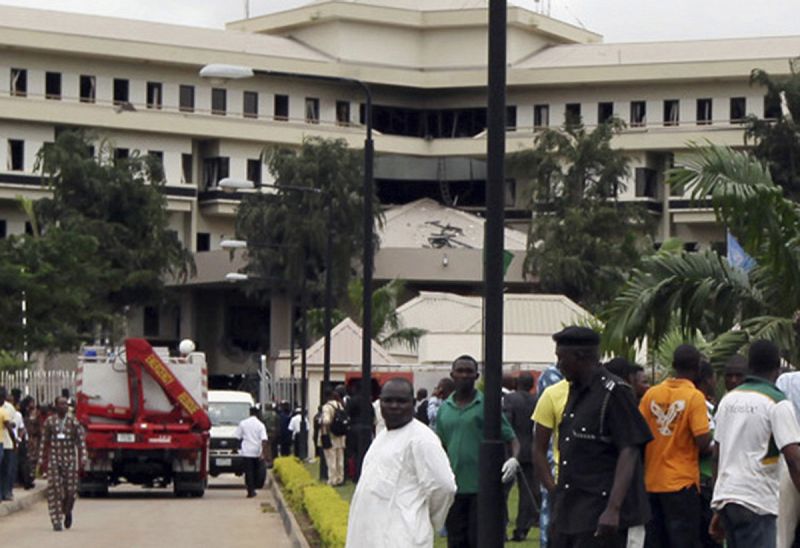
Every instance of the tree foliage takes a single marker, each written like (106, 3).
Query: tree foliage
(287, 230)
(100, 244)
(581, 240)
(701, 291)
(776, 140)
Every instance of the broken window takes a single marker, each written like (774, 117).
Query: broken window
(638, 113)
(19, 82)
(572, 114)
(155, 92)
(343, 113)
(186, 98)
(312, 110)
(16, 155)
(187, 168)
(88, 88)
(254, 172)
(541, 116)
(671, 112)
(511, 117)
(121, 91)
(704, 114)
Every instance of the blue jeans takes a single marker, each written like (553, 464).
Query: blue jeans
(8, 473)
(746, 529)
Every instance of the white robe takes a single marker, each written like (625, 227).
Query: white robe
(405, 491)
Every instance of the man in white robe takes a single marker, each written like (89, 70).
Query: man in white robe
(406, 485)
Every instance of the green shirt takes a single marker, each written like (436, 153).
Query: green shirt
(461, 432)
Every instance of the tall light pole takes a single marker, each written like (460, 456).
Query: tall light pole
(363, 428)
(490, 491)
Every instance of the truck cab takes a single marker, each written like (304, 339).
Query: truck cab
(226, 409)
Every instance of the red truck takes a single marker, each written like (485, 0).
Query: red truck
(145, 417)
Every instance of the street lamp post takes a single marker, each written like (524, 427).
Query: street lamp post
(490, 491)
(363, 428)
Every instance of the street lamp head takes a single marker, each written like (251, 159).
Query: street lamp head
(233, 244)
(220, 73)
(236, 277)
(233, 185)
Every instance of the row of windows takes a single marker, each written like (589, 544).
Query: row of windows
(214, 169)
(154, 95)
(427, 123)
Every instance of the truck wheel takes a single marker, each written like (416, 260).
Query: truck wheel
(189, 485)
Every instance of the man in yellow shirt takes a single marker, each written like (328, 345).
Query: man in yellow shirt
(546, 417)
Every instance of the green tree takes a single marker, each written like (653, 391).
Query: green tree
(287, 229)
(100, 244)
(701, 292)
(776, 140)
(387, 327)
(582, 241)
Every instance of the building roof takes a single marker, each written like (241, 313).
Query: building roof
(426, 223)
(346, 348)
(419, 5)
(595, 55)
(131, 30)
(523, 313)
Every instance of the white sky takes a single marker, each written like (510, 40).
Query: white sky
(616, 20)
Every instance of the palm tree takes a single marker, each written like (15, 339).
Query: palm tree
(702, 292)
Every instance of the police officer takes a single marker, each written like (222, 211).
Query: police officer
(600, 499)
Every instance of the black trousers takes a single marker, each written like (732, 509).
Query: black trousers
(250, 473)
(462, 522)
(675, 521)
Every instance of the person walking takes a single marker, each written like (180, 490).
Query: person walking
(406, 486)
(459, 424)
(553, 390)
(675, 410)
(255, 449)
(599, 500)
(755, 425)
(63, 454)
(333, 440)
(518, 407)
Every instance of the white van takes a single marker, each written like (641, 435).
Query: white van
(226, 409)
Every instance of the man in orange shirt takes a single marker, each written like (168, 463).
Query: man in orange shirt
(676, 412)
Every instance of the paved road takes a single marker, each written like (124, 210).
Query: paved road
(132, 517)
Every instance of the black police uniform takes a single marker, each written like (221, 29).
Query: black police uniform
(600, 419)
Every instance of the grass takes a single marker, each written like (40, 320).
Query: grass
(346, 492)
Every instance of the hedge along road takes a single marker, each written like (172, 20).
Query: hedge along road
(142, 518)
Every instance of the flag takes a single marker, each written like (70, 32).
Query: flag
(737, 256)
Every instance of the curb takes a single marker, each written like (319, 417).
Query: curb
(290, 524)
(28, 499)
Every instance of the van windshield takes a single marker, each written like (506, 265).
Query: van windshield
(228, 413)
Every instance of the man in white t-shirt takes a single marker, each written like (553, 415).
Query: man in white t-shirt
(255, 447)
(755, 425)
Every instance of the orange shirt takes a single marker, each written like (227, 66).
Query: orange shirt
(676, 412)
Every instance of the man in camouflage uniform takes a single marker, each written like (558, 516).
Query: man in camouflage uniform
(63, 454)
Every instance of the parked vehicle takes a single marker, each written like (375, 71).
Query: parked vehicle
(146, 420)
(226, 409)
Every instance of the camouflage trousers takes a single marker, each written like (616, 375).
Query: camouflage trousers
(62, 486)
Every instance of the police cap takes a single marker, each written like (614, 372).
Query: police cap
(576, 336)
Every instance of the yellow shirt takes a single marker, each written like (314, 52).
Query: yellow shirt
(550, 409)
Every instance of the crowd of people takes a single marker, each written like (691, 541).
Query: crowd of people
(600, 458)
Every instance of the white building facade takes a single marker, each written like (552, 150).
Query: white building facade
(137, 84)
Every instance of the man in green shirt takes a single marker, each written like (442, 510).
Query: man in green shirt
(459, 424)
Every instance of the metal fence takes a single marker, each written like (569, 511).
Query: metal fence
(44, 386)
(286, 389)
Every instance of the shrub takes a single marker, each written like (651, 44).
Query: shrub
(328, 512)
(294, 477)
(325, 508)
